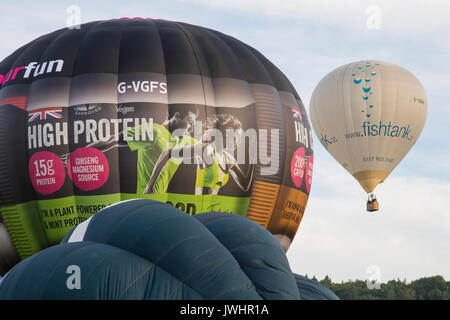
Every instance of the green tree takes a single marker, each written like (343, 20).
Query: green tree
(430, 288)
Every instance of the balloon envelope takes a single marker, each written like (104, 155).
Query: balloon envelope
(368, 115)
(140, 108)
(142, 249)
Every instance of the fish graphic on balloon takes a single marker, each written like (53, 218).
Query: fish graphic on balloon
(366, 72)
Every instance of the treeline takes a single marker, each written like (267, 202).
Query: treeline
(429, 288)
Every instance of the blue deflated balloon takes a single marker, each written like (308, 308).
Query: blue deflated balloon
(144, 249)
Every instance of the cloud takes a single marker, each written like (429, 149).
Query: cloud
(409, 237)
(415, 17)
(27, 21)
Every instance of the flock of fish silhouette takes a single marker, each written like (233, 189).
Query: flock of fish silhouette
(364, 75)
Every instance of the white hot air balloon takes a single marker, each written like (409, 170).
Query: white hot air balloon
(368, 115)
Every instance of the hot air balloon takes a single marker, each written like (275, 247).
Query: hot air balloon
(142, 108)
(368, 115)
(147, 250)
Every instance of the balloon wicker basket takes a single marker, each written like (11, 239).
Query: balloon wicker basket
(372, 204)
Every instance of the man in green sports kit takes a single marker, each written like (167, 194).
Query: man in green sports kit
(150, 155)
(148, 151)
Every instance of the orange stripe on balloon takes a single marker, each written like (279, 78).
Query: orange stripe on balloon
(19, 102)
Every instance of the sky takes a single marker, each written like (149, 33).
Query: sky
(410, 237)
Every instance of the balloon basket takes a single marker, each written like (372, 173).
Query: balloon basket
(372, 203)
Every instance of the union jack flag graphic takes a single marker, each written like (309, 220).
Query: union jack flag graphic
(45, 113)
(296, 113)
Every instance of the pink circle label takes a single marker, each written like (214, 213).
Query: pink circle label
(309, 172)
(47, 173)
(88, 168)
(298, 167)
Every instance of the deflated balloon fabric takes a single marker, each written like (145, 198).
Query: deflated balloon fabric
(144, 249)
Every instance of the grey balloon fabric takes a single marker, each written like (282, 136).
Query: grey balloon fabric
(257, 251)
(144, 249)
(313, 290)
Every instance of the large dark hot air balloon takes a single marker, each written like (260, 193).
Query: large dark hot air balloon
(140, 108)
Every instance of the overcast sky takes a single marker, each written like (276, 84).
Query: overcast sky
(410, 236)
